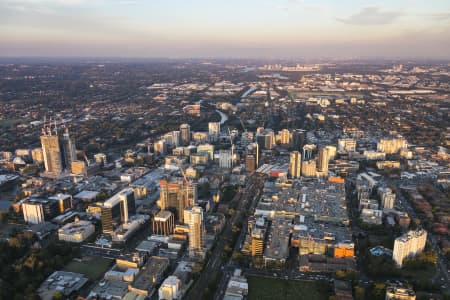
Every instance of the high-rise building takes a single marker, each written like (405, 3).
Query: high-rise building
(225, 159)
(331, 152)
(185, 134)
(295, 164)
(37, 155)
(409, 245)
(36, 211)
(214, 129)
(298, 139)
(68, 146)
(250, 163)
(206, 148)
(160, 147)
(193, 217)
(387, 197)
(285, 137)
(163, 223)
(253, 149)
(117, 209)
(309, 168)
(176, 196)
(347, 145)
(323, 160)
(308, 151)
(58, 151)
(266, 139)
(52, 154)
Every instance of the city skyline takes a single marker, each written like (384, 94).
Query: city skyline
(266, 29)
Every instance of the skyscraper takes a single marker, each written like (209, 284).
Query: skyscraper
(176, 196)
(214, 129)
(298, 139)
(295, 164)
(117, 209)
(193, 217)
(323, 160)
(52, 154)
(68, 146)
(58, 151)
(185, 134)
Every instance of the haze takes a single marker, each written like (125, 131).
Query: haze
(231, 28)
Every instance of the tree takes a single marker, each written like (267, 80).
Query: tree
(58, 296)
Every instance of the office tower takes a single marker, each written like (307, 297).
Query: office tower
(160, 147)
(37, 155)
(176, 138)
(266, 139)
(163, 223)
(225, 159)
(308, 151)
(285, 137)
(331, 152)
(206, 148)
(193, 217)
(323, 160)
(64, 202)
(295, 164)
(68, 146)
(176, 196)
(117, 210)
(250, 163)
(185, 134)
(309, 168)
(36, 211)
(346, 145)
(409, 245)
(214, 129)
(298, 139)
(253, 149)
(170, 289)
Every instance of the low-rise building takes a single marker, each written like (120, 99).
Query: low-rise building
(66, 283)
(76, 232)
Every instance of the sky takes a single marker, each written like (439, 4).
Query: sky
(226, 28)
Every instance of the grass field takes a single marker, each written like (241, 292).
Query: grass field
(262, 288)
(93, 268)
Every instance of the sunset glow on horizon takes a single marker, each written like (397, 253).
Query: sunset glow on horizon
(232, 28)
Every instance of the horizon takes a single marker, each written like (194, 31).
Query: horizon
(268, 29)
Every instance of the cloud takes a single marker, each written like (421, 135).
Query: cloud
(439, 16)
(370, 16)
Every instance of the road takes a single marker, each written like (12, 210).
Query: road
(248, 203)
(215, 263)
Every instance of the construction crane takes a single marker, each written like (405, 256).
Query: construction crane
(188, 186)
